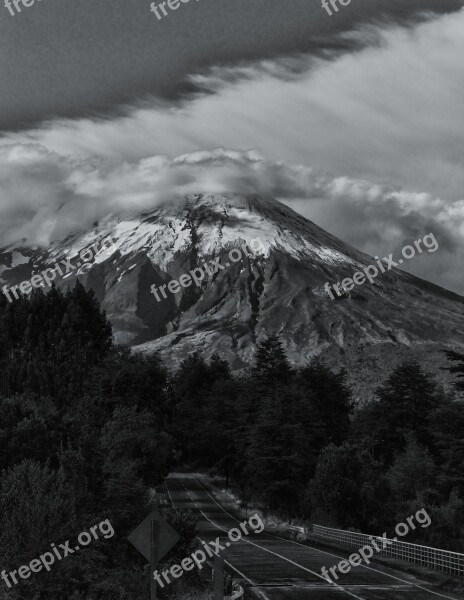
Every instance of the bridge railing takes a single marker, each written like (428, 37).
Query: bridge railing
(433, 558)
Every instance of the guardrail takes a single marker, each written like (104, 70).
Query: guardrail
(433, 558)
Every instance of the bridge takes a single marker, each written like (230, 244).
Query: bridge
(271, 567)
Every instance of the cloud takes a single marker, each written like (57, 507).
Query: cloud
(367, 144)
(389, 110)
(73, 194)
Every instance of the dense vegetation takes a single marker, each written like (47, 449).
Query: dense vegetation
(82, 438)
(87, 428)
(292, 440)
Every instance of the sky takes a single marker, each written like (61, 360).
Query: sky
(354, 120)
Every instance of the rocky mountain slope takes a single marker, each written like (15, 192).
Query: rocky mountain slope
(278, 289)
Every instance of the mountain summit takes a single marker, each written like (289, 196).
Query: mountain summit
(278, 290)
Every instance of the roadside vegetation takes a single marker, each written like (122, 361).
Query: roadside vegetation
(87, 429)
(83, 438)
(292, 441)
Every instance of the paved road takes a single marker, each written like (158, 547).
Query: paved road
(276, 568)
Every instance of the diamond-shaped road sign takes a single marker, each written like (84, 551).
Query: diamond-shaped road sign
(141, 537)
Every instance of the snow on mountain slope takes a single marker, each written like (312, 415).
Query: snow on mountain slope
(281, 290)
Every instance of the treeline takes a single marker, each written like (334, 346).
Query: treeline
(292, 440)
(83, 437)
(88, 428)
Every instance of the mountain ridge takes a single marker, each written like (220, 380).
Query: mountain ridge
(279, 291)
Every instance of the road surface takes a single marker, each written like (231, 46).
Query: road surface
(274, 568)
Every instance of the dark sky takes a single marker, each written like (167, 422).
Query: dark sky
(365, 138)
(86, 57)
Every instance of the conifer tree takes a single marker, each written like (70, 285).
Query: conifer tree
(274, 467)
(458, 369)
(404, 404)
(271, 364)
(325, 403)
(447, 425)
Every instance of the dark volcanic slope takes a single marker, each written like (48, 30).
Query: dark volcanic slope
(281, 290)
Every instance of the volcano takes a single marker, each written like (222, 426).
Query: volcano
(280, 290)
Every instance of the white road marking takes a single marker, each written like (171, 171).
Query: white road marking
(169, 494)
(239, 572)
(258, 590)
(335, 555)
(286, 559)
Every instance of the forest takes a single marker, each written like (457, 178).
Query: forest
(88, 428)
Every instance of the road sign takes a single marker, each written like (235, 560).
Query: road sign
(153, 538)
(141, 537)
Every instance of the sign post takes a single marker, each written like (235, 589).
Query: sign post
(154, 559)
(218, 578)
(153, 538)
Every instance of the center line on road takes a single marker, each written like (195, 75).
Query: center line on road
(287, 560)
(334, 555)
(272, 552)
(252, 583)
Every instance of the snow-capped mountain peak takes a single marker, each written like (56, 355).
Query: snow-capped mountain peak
(278, 290)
